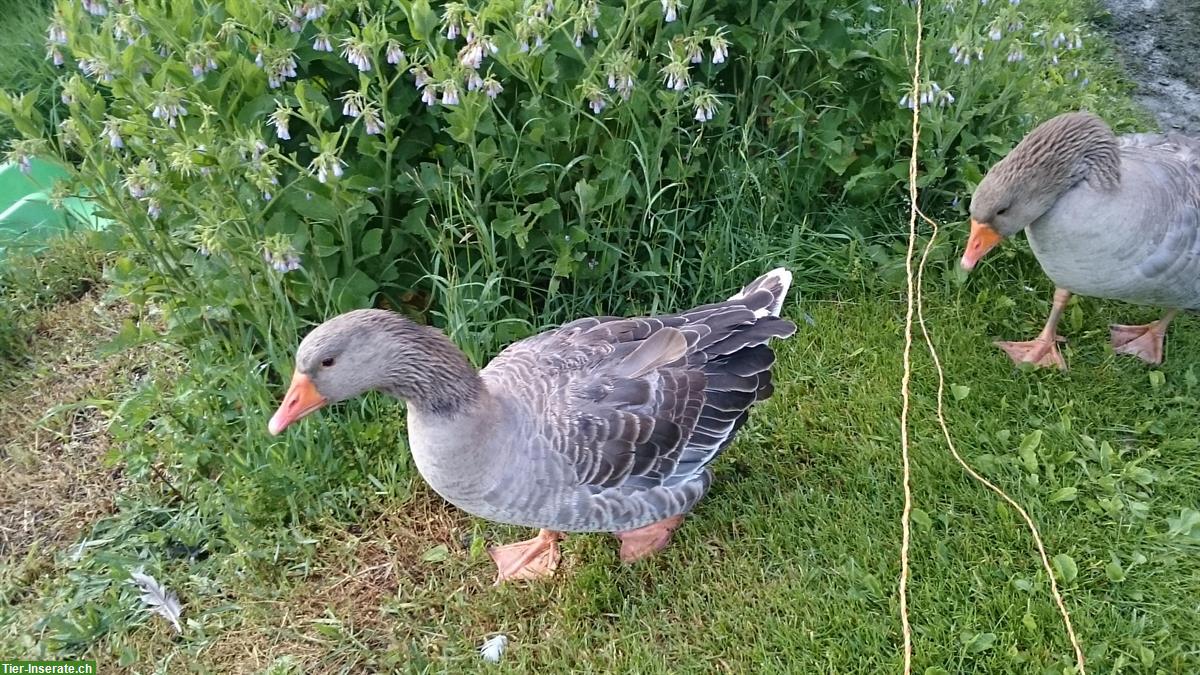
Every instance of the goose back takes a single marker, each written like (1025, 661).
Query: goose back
(1139, 242)
(608, 423)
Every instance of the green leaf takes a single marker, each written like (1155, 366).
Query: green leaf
(1031, 441)
(921, 518)
(421, 20)
(960, 391)
(1066, 568)
(978, 642)
(436, 554)
(587, 196)
(1186, 526)
(1157, 379)
(371, 243)
(1065, 494)
(1114, 572)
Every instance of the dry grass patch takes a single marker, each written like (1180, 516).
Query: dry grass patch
(53, 479)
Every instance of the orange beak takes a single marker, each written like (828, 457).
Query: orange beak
(301, 399)
(983, 239)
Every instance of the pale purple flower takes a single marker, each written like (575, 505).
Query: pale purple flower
(352, 104)
(321, 43)
(24, 163)
(282, 261)
(169, 108)
(153, 208)
(1015, 54)
(420, 77)
(597, 102)
(326, 165)
(429, 94)
(474, 81)
(449, 93)
(670, 10)
(676, 76)
(372, 124)
(355, 51)
(114, 134)
(309, 10)
(695, 54)
(471, 56)
(995, 34)
(94, 7)
(56, 57)
(492, 88)
(56, 33)
(395, 54)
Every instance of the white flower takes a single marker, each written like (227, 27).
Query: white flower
(372, 124)
(310, 11)
(597, 102)
(114, 134)
(352, 104)
(449, 93)
(492, 88)
(995, 34)
(420, 77)
(153, 208)
(1015, 54)
(471, 56)
(56, 33)
(676, 76)
(56, 56)
(429, 95)
(94, 7)
(695, 55)
(394, 53)
(474, 81)
(325, 165)
(322, 43)
(670, 10)
(356, 53)
(706, 107)
(280, 119)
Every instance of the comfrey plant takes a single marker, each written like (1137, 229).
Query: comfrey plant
(304, 151)
(330, 154)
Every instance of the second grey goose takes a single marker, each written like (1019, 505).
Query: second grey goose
(1108, 217)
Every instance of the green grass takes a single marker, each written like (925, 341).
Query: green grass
(23, 52)
(789, 565)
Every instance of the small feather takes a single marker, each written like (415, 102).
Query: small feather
(493, 648)
(158, 598)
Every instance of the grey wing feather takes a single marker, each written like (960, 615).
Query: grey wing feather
(637, 404)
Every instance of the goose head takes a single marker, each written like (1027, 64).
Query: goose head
(374, 350)
(1023, 186)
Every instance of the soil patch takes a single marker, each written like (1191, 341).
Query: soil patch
(53, 480)
(1161, 43)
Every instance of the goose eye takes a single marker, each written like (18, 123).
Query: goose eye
(327, 362)
(1002, 211)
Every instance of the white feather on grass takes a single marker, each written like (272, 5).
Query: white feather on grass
(493, 648)
(158, 598)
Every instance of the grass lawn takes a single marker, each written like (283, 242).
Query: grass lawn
(791, 563)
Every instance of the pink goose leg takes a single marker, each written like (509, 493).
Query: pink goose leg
(1144, 342)
(1042, 350)
(644, 541)
(529, 559)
